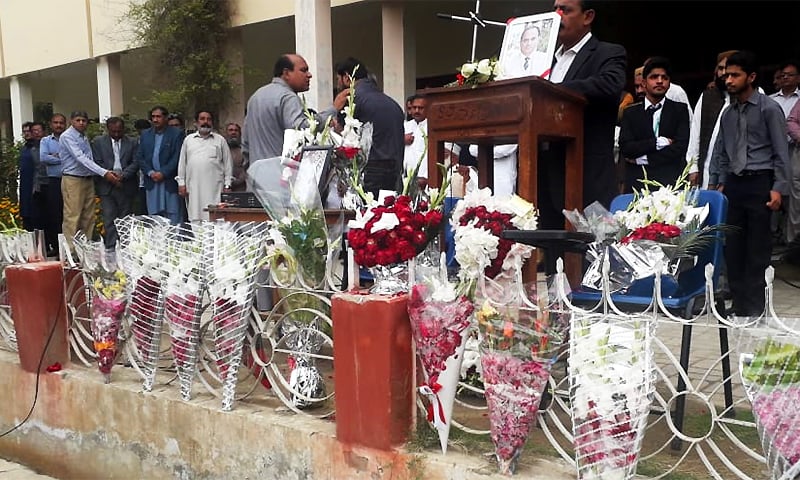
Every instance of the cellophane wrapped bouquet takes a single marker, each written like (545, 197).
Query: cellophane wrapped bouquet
(184, 261)
(663, 227)
(300, 248)
(521, 332)
(385, 235)
(108, 290)
(235, 252)
(769, 365)
(441, 317)
(519, 345)
(612, 383)
(140, 238)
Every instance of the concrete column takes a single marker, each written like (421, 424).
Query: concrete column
(21, 105)
(109, 87)
(313, 41)
(233, 110)
(395, 61)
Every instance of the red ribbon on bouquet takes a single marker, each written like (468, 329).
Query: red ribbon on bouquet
(431, 391)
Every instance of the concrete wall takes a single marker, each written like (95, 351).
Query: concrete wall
(84, 429)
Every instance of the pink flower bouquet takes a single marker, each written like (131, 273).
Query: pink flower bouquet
(109, 298)
(439, 322)
(516, 357)
(771, 376)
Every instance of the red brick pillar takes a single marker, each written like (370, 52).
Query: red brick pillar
(373, 365)
(36, 296)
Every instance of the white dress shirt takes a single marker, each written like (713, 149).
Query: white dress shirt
(564, 59)
(786, 101)
(661, 142)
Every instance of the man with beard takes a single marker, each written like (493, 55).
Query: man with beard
(752, 156)
(705, 124)
(204, 167)
(233, 135)
(157, 157)
(654, 133)
(385, 160)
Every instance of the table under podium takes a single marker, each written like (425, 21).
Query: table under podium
(525, 111)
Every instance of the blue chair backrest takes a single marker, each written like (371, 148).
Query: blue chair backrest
(692, 282)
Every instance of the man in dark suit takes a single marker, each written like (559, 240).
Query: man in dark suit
(596, 70)
(157, 157)
(654, 133)
(115, 151)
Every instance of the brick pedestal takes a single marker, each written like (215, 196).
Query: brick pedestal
(36, 296)
(374, 369)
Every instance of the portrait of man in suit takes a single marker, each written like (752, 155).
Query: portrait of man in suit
(528, 46)
(654, 133)
(115, 151)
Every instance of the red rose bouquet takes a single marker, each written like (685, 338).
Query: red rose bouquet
(393, 232)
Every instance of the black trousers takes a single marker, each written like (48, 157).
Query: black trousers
(382, 175)
(748, 249)
(55, 212)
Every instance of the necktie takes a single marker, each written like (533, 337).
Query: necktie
(739, 158)
(651, 111)
(117, 162)
(525, 65)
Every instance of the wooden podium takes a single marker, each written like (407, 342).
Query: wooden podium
(526, 111)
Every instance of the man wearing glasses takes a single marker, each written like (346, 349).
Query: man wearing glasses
(789, 93)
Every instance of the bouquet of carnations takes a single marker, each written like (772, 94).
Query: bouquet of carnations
(440, 320)
(140, 237)
(235, 252)
(108, 290)
(770, 371)
(518, 348)
(185, 269)
(612, 382)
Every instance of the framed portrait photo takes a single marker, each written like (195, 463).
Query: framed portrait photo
(314, 170)
(528, 46)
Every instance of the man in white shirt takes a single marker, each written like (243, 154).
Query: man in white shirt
(789, 93)
(204, 168)
(416, 137)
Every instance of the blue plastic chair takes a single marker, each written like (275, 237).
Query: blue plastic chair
(679, 297)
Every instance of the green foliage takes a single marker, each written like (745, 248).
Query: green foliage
(774, 364)
(9, 168)
(188, 38)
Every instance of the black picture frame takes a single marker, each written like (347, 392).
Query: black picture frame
(317, 160)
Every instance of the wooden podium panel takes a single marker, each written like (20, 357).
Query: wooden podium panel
(525, 111)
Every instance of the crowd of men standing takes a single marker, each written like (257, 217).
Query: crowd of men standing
(163, 171)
